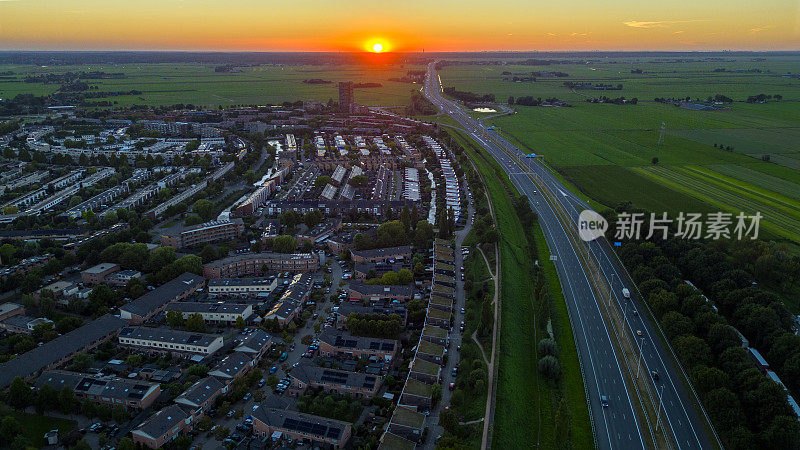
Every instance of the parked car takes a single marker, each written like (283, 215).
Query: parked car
(452, 386)
(273, 369)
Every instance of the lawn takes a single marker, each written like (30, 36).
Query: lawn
(35, 425)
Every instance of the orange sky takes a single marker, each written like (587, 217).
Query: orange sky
(410, 25)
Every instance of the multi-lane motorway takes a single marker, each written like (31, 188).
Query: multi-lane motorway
(615, 425)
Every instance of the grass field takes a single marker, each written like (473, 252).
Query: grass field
(198, 84)
(35, 426)
(608, 151)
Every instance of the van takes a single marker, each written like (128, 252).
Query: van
(626, 293)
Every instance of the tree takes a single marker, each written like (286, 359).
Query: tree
(549, 367)
(127, 444)
(284, 244)
(175, 319)
(321, 180)
(195, 323)
(392, 233)
(204, 209)
(548, 346)
(18, 393)
(655, 160)
(313, 218)
(9, 428)
(240, 324)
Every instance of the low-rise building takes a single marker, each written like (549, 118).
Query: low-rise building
(417, 394)
(436, 335)
(424, 371)
(340, 381)
(113, 391)
(241, 287)
(216, 313)
(257, 264)
(162, 427)
(389, 254)
(340, 343)
(376, 292)
(256, 344)
(97, 273)
(22, 323)
(200, 396)
(164, 340)
(407, 423)
(204, 233)
(231, 366)
(148, 305)
(431, 352)
(123, 277)
(306, 429)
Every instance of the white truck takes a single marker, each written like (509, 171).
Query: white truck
(626, 293)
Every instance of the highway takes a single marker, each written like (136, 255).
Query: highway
(615, 425)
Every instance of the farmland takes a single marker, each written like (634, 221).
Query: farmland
(199, 84)
(740, 156)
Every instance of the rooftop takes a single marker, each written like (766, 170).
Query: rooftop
(168, 335)
(407, 417)
(425, 367)
(151, 301)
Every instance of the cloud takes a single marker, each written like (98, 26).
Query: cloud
(656, 23)
(578, 34)
(758, 29)
(678, 32)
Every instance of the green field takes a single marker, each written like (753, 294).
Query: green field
(35, 426)
(199, 84)
(612, 153)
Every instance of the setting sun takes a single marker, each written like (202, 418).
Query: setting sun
(377, 47)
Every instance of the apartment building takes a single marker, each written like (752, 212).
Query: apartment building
(340, 381)
(341, 343)
(96, 274)
(241, 287)
(204, 233)
(216, 313)
(256, 264)
(162, 427)
(307, 429)
(167, 340)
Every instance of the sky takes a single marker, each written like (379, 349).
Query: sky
(400, 25)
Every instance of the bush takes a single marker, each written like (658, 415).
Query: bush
(550, 368)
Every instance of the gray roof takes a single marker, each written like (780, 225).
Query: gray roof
(61, 347)
(162, 421)
(308, 372)
(201, 391)
(255, 341)
(343, 339)
(379, 289)
(347, 308)
(168, 335)
(158, 297)
(382, 252)
(113, 387)
(315, 426)
(207, 307)
(231, 365)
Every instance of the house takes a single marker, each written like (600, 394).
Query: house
(442, 303)
(139, 310)
(340, 343)
(391, 441)
(21, 323)
(424, 371)
(112, 391)
(438, 317)
(96, 274)
(123, 277)
(431, 352)
(341, 381)
(307, 429)
(231, 366)
(162, 427)
(256, 344)
(375, 292)
(407, 423)
(417, 394)
(163, 340)
(389, 254)
(363, 271)
(436, 335)
(200, 396)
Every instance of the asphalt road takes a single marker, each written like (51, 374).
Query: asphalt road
(615, 425)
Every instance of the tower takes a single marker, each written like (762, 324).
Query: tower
(346, 96)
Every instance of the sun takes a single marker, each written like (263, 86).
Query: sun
(377, 47)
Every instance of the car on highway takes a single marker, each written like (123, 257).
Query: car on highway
(455, 371)
(463, 310)
(654, 374)
(604, 401)
(638, 332)
(452, 386)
